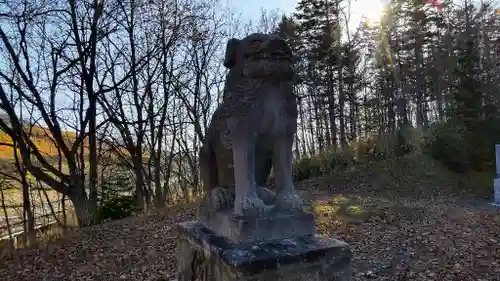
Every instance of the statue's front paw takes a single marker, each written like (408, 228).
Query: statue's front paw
(266, 194)
(253, 206)
(288, 201)
(221, 198)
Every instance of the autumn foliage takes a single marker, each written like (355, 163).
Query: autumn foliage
(42, 139)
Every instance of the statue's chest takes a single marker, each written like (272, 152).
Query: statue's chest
(271, 115)
(275, 114)
(254, 96)
(267, 110)
(266, 121)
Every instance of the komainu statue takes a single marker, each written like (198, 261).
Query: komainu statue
(252, 131)
(245, 231)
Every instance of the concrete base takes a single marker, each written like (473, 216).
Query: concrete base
(254, 229)
(202, 256)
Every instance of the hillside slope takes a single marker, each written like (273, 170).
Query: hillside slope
(416, 175)
(42, 139)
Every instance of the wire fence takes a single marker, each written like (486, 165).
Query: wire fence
(44, 214)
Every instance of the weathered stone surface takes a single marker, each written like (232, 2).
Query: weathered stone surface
(497, 153)
(497, 192)
(275, 225)
(496, 181)
(245, 231)
(202, 256)
(222, 197)
(252, 130)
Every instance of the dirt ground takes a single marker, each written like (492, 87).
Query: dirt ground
(392, 239)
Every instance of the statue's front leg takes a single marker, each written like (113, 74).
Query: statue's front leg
(246, 200)
(286, 195)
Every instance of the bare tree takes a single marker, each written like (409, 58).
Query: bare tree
(59, 60)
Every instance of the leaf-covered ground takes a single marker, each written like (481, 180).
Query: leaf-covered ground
(410, 239)
(392, 239)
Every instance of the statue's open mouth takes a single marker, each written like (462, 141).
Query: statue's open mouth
(278, 53)
(270, 62)
(273, 54)
(281, 56)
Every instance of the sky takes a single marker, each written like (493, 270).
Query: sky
(251, 9)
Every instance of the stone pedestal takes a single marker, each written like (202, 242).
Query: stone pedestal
(204, 256)
(496, 194)
(496, 181)
(273, 226)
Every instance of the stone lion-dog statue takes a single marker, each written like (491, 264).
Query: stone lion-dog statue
(252, 131)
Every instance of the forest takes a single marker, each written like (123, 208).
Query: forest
(104, 105)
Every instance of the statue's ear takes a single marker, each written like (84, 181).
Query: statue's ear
(231, 52)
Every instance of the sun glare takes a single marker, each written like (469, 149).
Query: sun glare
(371, 9)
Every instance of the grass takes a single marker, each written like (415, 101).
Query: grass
(14, 196)
(339, 207)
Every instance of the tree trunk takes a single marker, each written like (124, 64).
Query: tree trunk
(82, 208)
(342, 130)
(93, 162)
(139, 182)
(303, 129)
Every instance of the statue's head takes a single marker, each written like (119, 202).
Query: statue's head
(259, 55)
